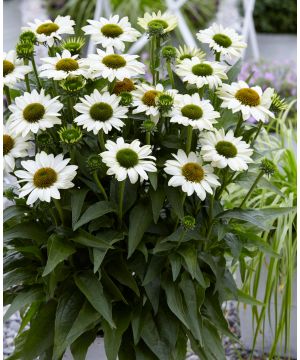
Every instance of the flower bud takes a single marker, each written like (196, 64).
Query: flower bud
(28, 36)
(25, 50)
(268, 167)
(168, 52)
(126, 99)
(188, 222)
(74, 44)
(70, 135)
(73, 84)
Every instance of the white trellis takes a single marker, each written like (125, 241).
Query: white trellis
(103, 8)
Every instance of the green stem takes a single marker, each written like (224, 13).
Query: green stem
(121, 198)
(148, 137)
(152, 58)
(238, 126)
(210, 220)
(71, 107)
(224, 184)
(218, 56)
(100, 186)
(251, 189)
(54, 88)
(7, 94)
(101, 140)
(36, 73)
(189, 139)
(60, 211)
(170, 72)
(27, 78)
(257, 132)
(157, 59)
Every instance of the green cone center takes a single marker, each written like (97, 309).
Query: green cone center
(8, 67)
(193, 172)
(47, 28)
(127, 158)
(101, 111)
(44, 177)
(185, 56)
(192, 111)
(33, 112)
(114, 61)
(8, 144)
(149, 97)
(248, 96)
(158, 23)
(111, 30)
(202, 70)
(222, 40)
(67, 64)
(226, 149)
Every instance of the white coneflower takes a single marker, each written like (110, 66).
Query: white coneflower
(14, 69)
(100, 111)
(14, 147)
(224, 41)
(200, 73)
(59, 67)
(254, 102)
(188, 172)
(33, 112)
(48, 31)
(128, 160)
(186, 52)
(112, 32)
(191, 110)
(114, 66)
(225, 150)
(45, 176)
(145, 99)
(166, 21)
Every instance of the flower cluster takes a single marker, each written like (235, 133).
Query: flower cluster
(87, 136)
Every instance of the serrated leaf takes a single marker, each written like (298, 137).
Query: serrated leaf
(58, 250)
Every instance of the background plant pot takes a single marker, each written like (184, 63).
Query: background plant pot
(264, 344)
(95, 352)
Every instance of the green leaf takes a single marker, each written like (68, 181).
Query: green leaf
(95, 211)
(26, 231)
(113, 337)
(175, 261)
(69, 305)
(13, 211)
(189, 255)
(80, 346)
(112, 288)
(58, 250)
(153, 179)
(22, 299)
(153, 292)
(87, 318)
(99, 241)
(151, 337)
(247, 299)
(234, 71)
(262, 218)
(118, 269)
(157, 200)
(154, 269)
(175, 198)
(77, 201)
(91, 287)
(140, 219)
(41, 333)
(19, 276)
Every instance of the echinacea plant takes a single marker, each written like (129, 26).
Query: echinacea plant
(117, 227)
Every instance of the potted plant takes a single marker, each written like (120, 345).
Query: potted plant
(118, 228)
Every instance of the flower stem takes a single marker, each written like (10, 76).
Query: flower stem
(251, 189)
(60, 211)
(218, 56)
(7, 94)
(71, 108)
(101, 140)
(257, 132)
(189, 139)
(152, 58)
(121, 198)
(100, 186)
(170, 72)
(35, 72)
(148, 137)
(157, 61)
(238, 126)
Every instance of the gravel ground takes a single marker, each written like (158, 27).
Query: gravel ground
(233, 350)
